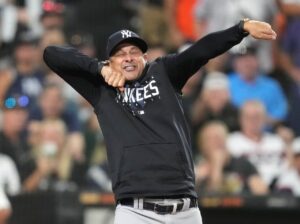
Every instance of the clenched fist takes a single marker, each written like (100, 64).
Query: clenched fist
(259, 30)
(113, 78)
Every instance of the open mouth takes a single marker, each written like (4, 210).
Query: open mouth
(129, 68)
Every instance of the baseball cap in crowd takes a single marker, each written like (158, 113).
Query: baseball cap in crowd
(26, 38)
(296, 146)
(124, 36)
(216, 80)
(246, 50)
(51, 8)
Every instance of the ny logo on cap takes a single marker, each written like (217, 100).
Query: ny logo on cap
(126, 33)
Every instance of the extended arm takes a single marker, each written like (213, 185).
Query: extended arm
(80, 71)
(181, 66)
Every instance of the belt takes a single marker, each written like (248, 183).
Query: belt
(160, 208)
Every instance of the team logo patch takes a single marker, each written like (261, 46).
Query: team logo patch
(126, 33)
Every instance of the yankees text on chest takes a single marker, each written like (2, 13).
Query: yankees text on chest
(140, 92)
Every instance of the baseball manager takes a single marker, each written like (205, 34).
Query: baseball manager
(139, 107)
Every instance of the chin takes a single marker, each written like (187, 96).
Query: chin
(131, 77)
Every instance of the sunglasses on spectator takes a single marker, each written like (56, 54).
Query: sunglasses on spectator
(16, 102)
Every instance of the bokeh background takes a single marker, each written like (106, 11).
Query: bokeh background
(243, 108)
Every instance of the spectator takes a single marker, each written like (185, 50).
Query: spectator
(289, 58)
(57, 37)
(153, 27)
(28, 79)
(218, 171)
(51, 37)
(156, 52)
(94, 148)
(9, 185)
(289, 180)
(52, 16)
(84, 42)
(53, 106)
(264, 150)
(8, 26)
(97, 177)
(181, 22)
(12, 141)
(213, 15)
(247, 83)
(190, 92)
(5, 208)
(9, 176)
(5, 80)
(54, 161)
(213, 103)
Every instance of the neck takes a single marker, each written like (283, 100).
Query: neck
(12, 135)
(249, 78)
(254, 136)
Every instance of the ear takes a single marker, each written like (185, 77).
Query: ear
(145, 56)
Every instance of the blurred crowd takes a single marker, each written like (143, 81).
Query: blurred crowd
(243, 106)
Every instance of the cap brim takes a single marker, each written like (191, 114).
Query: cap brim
(140, 43)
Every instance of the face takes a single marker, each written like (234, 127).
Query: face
(52, 102)
(216, 99)
(53, 133)
(26, 57)
(253, 118)
(52, 22)
(212, 138)
(246, 66)
(14, 120)
(129, 60)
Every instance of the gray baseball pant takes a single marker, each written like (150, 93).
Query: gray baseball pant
(134, 215)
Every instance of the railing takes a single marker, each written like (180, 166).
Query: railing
(98, 208)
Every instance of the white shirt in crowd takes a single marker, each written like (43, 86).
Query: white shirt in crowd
(267, 155)
(4, 202)
(289, 181)
(9, 176)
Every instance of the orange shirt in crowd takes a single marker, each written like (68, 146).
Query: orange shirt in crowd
(185, 18)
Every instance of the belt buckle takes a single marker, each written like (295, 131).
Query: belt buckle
(156, 206)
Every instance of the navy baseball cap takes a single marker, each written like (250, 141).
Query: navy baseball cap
(124, 36)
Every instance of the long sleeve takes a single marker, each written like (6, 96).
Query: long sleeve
(181, 66)
(79, 70)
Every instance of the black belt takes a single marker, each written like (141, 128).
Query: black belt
(159, 208)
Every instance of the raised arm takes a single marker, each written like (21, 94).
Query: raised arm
(80, 71)
(181, 66)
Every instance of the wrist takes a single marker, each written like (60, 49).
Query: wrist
(242, 26)
(101, 64)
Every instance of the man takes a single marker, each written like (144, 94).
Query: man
(25, 78)
(12, 142)
(266, 151)
(139, 107)
(211, 17)
(213, 103)
(248, 83)
(52, 105)
(219, 172)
